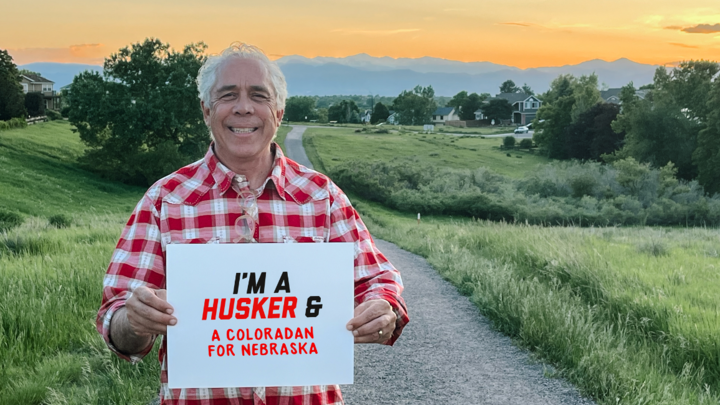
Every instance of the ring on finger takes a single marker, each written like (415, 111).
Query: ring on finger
(380, 333)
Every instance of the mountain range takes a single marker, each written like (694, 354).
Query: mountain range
(386, 76)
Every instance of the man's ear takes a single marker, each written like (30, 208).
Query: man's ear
(279, 115)
(206, 113)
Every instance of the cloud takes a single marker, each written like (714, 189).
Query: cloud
(91, 54)
(683, 45)
(517, 24)
(376, 32)
(702, 29)
(673, 27)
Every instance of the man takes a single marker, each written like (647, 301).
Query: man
(244, 190)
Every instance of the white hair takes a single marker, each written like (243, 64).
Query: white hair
(207, 76)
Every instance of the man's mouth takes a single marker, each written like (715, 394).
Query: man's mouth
(243, 130)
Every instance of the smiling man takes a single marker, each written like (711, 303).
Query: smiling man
(243, 190)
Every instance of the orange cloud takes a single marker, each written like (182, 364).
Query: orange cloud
(91, 54)
(702, 29)
(517, 24)
(683, 45)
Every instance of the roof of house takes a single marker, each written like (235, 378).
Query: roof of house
(513, 97)
(606, 94)
(37, 78)
(444, 111)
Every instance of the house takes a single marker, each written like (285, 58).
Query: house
(613, 95)
(33, 83)
(524, 107)
(443, 114)
(393, 118)
(365, 116)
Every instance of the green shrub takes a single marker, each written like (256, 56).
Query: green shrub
(509, 142)
(9, 220)
(17, 122)
(65, 111)
(526, 144)
(561, 193)
(53, 115)
(60, 221)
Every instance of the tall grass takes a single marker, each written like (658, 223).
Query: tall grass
(626, 326)
(50, 289)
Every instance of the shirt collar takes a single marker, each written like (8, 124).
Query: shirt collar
(223, 176)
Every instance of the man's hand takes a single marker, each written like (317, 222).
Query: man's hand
(146, 313)
(371, 317)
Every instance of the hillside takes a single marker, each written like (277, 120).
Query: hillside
(39, 175)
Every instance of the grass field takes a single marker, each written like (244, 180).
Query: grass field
(332, 146)
(631, 316)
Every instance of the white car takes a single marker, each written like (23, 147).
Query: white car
(521, 130)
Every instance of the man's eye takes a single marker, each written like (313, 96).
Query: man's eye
(260, 96)
(228, 96)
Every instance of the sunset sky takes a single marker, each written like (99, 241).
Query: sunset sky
(522, 33)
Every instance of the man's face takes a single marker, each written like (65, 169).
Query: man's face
(243, 115)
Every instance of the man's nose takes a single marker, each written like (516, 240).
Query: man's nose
(243, 105)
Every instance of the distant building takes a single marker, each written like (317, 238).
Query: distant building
(443, 114)
(392, 119)
(365, 116)
(612, 96)
(32, 83)
(524, 106)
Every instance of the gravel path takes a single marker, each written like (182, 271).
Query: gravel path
(294, 147)
(448, 353)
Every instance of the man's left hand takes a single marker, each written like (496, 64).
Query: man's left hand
(374, 322)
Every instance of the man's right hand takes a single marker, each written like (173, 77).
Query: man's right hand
(148, 312)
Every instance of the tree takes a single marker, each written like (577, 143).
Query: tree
(509, 86)
(28, 72)
(380, 113)
(553, 117)
(527, 90)
(344, 112)
(472, 103)
(35, 104)
(457, 100)
(586, 93)
(592, 135)
(707, 153)
(665, 127)
(140, 120)
(300, 108)
(497, 109)
(12, 99)
(563, 104)
(415, 107)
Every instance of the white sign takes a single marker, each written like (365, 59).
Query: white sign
(254, 315)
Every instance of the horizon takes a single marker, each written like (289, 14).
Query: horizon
(519, 33)
(386, 56)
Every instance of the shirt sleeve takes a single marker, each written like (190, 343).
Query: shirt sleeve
(375, 276)
(138, 260)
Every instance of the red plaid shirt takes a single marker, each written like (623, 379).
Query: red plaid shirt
(197, 204)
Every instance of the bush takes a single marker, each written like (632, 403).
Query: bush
(35, 104)
(560, 193)
(53, 115)
(526, 143)
(509, 142)
(17, 122)
(65, 111)
(9, 220)
(60, 221)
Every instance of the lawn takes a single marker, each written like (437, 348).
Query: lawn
(332, 146)
(39, 175)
